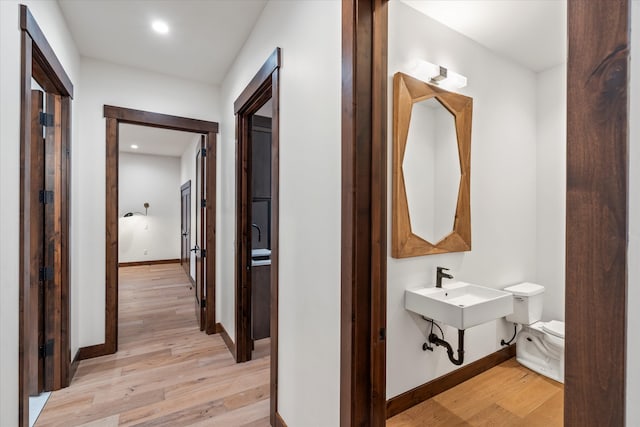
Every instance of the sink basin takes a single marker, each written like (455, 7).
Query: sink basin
(459, 304)
(259, 253)
(260, 257)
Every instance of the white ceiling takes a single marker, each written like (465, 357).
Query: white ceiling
(204, 37)
(530, 32)
(161, 142)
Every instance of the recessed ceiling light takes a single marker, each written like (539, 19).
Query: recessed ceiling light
(134, 146)
(160, 27)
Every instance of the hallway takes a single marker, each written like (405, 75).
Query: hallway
(166, 372)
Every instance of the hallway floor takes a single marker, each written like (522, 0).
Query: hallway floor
(508, 395)
(166, 372)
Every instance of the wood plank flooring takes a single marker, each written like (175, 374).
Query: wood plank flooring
(508, 395)
(166, 372)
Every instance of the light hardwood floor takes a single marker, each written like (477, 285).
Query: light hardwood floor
(508, 395)
(166, 372)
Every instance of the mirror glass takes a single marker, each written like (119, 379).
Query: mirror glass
(431, 170)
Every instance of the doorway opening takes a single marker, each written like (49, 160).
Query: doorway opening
(257, 196)
(205, 250)
(597, 181)
(44, 337)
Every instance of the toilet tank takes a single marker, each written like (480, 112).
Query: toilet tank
(527, 303)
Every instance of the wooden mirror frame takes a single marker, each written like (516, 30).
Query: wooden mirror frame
(404, 243)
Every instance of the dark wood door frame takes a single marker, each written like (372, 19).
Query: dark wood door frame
(263, 86)
(185, 218)
(114, 116)
(39, 61)
(597, 217)
(364, 213)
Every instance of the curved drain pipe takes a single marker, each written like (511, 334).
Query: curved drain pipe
(433, 338)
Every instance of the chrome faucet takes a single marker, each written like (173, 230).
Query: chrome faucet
(440, 274)
(259, 232)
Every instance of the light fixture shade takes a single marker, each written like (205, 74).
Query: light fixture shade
(424, 70)
(455, 80)
(436, 74)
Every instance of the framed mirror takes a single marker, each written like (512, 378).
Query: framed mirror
(431, 211)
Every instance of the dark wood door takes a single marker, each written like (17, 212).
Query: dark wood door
(45, 234)
(52, 250)
(35, 334)
(200, 228)
(185, 227)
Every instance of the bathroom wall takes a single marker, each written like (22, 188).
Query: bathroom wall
(152, 179)
(551, 161)
(51, 21)
(111, 84)
(633, 255)
(188, 173)
(309, 270)
(503, 194)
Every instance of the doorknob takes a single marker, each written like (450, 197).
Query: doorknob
(194, 249)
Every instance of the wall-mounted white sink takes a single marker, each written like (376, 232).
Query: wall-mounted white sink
(459, 304)
(260, 257)
(259, 253)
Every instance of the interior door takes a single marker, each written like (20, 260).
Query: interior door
(200, 228)
(35, 335)
(185, 227)
(51, 276)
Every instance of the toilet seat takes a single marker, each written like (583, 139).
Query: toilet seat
(555, 328)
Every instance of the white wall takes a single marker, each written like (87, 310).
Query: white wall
(105, 83)
(309, 271)
(188, 173)
(633, 290)
(155, 180)
(50, 20)
(503, 194)
(551, 188)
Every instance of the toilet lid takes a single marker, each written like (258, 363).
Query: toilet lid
(554, 327)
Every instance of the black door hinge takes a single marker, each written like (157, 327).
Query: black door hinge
(203, 152)
(45, 197)
(46, 350)
(46, 119)
(203, 253)
(203, 203)
(383, 334)
(203, 303)
(45, 273)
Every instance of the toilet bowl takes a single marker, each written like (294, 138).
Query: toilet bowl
(539, 345)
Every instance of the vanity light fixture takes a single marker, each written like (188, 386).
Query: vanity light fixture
(438, 75)
(160, 27)
(134, 146)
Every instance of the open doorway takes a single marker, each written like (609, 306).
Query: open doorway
(597, 142)
(154, 229)
(257, 116)
(204, 298)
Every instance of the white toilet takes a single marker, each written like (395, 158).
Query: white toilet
(539, 345)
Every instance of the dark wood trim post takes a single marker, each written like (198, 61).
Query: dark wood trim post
(597, 217)
(364, 213)
(111, 239)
